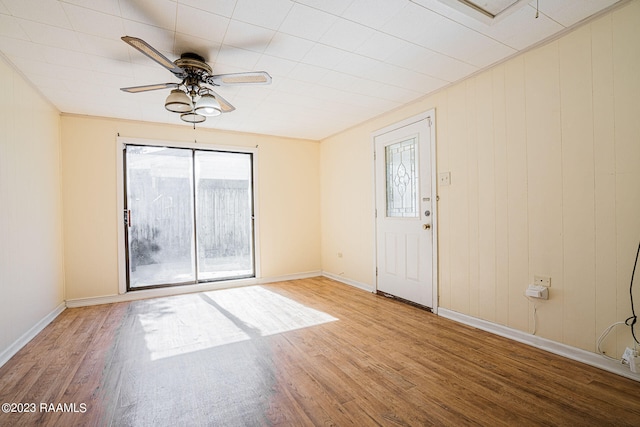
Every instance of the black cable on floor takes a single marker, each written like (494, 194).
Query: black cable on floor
(631, 321)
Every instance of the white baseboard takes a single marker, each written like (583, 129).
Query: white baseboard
(555, 347)
(179, 290)
(288, 277)
(347, 281)
(10, 351)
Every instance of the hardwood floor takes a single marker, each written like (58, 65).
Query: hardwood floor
(305, 352)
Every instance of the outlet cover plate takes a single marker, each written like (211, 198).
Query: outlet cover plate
(542, 281)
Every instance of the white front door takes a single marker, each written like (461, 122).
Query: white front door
(405, 211)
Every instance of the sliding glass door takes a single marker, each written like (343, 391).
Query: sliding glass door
(188, 215)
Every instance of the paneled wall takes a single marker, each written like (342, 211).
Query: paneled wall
(31, 270)
(544, 155)
(545, 161)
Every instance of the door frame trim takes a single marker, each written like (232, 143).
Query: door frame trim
(119, 147)
(429, 115)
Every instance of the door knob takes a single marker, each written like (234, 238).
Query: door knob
(426, 226)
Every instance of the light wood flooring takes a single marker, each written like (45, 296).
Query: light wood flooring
(305, 352)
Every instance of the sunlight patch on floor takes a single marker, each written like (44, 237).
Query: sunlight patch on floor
(186, 323)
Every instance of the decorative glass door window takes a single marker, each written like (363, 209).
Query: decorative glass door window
(188, 214)
(402, 179)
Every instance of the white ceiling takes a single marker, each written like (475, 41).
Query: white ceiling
(334, 63)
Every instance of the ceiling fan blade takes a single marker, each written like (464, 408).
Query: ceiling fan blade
(152, 53)
(225, 107)
(136, 89)
(250, 78)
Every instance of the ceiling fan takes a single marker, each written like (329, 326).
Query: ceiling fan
(193, 98)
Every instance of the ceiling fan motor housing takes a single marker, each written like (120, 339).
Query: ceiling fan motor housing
(193, 64)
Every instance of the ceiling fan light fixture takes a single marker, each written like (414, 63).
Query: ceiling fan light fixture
(178, 102)
(192, 117)
(208, 105)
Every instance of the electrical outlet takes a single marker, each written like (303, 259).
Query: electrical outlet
(542, 281)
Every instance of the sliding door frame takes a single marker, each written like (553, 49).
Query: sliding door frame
(121, 143)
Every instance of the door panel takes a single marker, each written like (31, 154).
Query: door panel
(390, 254)
(404, 206)
(413, 257)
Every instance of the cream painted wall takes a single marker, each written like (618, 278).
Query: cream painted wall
(288, 184)
(347, 204)
(31, 267)
(544, 155)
